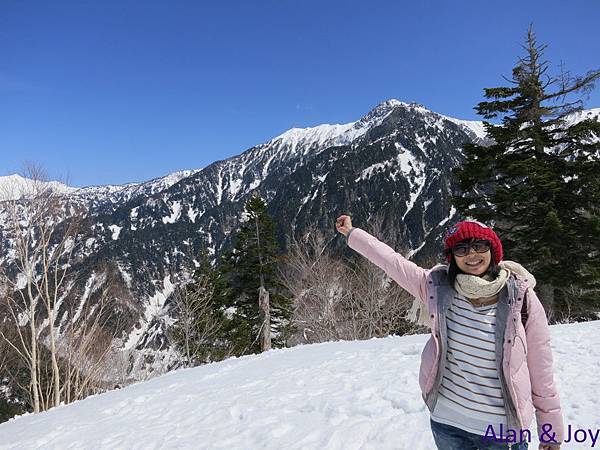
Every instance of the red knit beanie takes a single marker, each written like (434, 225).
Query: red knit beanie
(470, 229)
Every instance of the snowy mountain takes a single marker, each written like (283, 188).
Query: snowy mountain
(97, 197)
(585, 114)
(333, 396)
(13, 187)
(393, 164)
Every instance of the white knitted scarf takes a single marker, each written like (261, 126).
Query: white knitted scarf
(472, 286)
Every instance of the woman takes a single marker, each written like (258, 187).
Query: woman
(483, 372)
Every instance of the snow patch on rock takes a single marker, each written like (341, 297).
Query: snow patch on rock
(116, 231)
(175, 213)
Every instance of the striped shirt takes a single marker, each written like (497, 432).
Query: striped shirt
(470, 396)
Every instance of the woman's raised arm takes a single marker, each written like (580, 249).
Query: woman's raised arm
(407, 274)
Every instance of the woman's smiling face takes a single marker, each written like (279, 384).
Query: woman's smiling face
(473, 263)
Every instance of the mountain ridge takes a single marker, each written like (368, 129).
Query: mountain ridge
(396, 166)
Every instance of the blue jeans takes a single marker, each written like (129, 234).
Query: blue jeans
(447, 437)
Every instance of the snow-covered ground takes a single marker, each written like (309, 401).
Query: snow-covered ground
(337, 396)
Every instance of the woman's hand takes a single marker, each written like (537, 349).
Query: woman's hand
(343, 224)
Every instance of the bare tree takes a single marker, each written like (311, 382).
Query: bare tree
(264, 305)
(41, 257)
(4, 352)
(197, 328)
(335, 299)
(316, 282)
(86, 346)
(85, 351)
(42, 229)
(377, 303)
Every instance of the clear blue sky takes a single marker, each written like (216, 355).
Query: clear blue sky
(114, 91)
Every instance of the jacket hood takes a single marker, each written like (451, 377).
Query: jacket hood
(517, 268)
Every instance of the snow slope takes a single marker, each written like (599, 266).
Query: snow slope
(337, 396)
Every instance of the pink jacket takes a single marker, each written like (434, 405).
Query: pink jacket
(525, 353)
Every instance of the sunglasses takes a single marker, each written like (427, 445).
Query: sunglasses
(463, 249)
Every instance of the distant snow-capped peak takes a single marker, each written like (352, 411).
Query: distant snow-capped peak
(160, 183)
(318, 135)
(14, 187)
(344, 134)
(336, 134)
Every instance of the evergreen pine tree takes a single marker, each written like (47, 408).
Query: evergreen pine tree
(252, 262)
(538, 182)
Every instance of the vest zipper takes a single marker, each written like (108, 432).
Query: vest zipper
(512, 415)
(441, 321)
